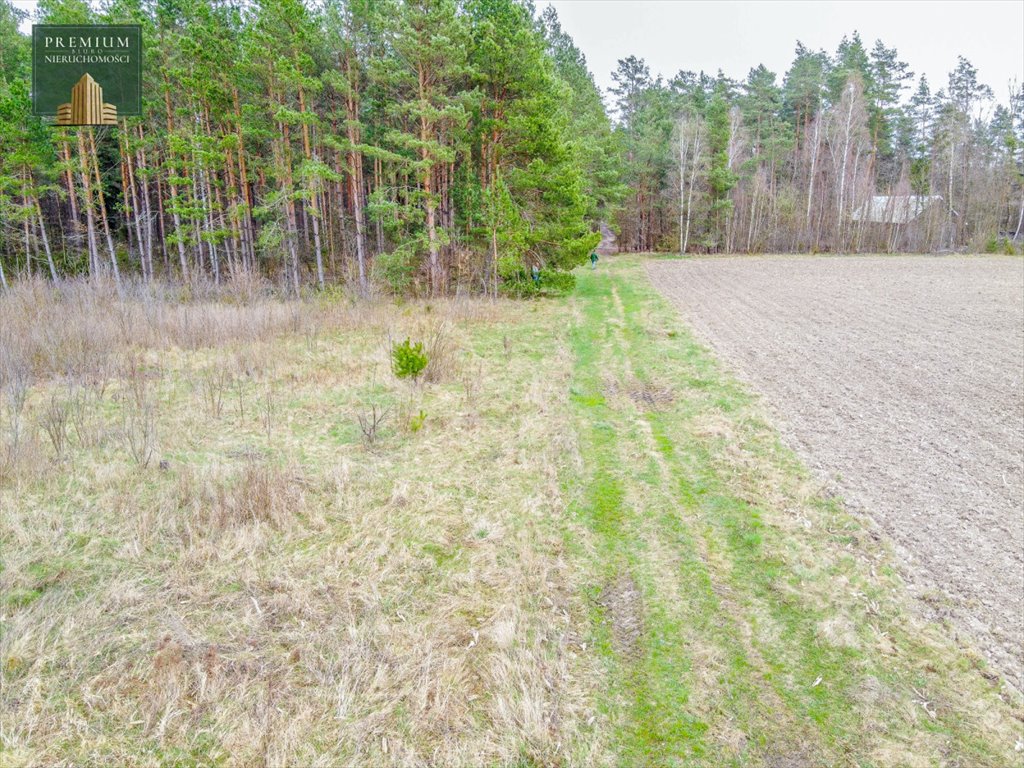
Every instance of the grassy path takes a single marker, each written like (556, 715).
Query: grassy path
(743, 619)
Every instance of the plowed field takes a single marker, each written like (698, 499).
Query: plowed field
(900, 380)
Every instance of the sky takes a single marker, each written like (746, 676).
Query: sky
(736, 36)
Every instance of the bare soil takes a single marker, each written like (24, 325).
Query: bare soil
(900, 382)
(623, 607)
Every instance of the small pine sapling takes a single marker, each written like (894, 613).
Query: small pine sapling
(408, 360)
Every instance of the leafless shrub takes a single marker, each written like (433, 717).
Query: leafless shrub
(58, 330)
(238, 384)
(54, 421)
(441, 351)
(296, 319)
(250, 361)
(213, 382)
(268, 407)
(83, 416)
(14, 386)
(264, 493)
(312, 336)
(134, 376)
(246, 287)
(261, 492)
(471, 384)
(139, 427)
(25, 460)
(78, 326)
(371, 421)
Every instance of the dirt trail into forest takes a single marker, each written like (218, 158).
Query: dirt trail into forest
(901, 381)
(608, 242)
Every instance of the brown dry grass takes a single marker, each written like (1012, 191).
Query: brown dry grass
(265, 589)
(204, 562)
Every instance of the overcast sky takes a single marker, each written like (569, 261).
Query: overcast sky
(736, 36)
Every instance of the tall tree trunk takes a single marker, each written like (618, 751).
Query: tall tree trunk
(693, 182)
(25, 227)
(69, 180)
(207, 201)
(243, 187)
(174, 191)
(227, 221)
(46, 241)
(339, 208)
(289, 187)
(949, 196)
(146, 204)
(753, 211)
(135, 208)
(684, 142)
(378, 183)
(90, 223)
(814, 170)
(428, 190)
(845, 159)
(313, 211)
(1020, 219)
(197, 215)
(355, 168)
(103, 211)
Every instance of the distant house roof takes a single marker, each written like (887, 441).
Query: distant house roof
(894, 209)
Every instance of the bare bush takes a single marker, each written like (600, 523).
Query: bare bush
(212, 384)
(14, 388)
(371, 421)
(78, 326)
(268, 407)
(238, 385)
(140, 433)
(264, 493)
(312, 336)
(441, 351)
(134, 376)
(25, 461)
(471, 381)
(54, 421)
(260, 493)
(250, 361)
(246, 287)
(85, 422)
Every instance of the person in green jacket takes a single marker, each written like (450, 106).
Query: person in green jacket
(593, 260)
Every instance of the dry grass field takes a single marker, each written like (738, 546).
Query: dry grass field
(231, 536)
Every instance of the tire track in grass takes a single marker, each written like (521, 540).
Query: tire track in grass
(730, 535)
(811, 684)
(648, 686)
(749, 708)
(666, 710)
(813, 687)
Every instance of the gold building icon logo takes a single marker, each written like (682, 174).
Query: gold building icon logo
(86, 106)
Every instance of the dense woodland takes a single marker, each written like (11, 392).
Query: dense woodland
(444, 146)
(716, 165)
(439, 145)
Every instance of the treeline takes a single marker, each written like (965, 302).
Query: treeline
(716, 165)
(430, 145)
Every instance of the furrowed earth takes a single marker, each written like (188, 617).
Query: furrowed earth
(900, 380)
